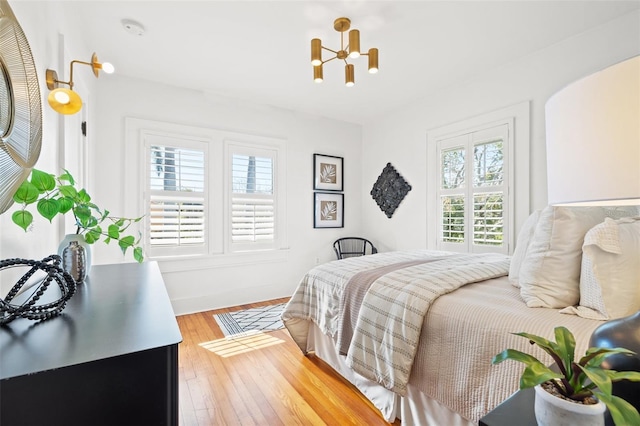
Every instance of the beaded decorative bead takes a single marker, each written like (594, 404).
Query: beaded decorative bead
(29, 308)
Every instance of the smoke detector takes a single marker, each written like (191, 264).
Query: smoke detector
(133, 27)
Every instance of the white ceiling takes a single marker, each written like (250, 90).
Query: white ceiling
(259, 51)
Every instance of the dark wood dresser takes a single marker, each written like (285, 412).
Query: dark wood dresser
(110, 358)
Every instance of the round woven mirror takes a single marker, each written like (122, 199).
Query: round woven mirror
(20, 107)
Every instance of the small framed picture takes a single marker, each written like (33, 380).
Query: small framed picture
(328, 210)
(327, 172)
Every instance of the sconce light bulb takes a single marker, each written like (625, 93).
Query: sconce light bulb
(62, 97)
(108, 68)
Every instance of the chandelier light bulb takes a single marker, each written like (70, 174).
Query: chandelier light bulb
(62, 97)
(316, 52)
(349, 75)
(317, 74)
(108, 68)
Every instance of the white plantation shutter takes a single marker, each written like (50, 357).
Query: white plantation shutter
(473, 191)
(176, 223)
(252, 223)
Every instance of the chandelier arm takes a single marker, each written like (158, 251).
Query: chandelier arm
(330, 50)
(329, 60)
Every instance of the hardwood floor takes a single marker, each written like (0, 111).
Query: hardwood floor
(260, 380)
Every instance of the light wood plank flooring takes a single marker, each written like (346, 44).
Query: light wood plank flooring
(260, 380)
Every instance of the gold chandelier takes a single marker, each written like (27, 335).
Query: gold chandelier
(342, 25)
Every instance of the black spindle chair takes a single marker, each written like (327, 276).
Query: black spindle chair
(352, 247)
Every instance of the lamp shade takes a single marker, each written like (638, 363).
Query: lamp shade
(593, 139)
(64, 101)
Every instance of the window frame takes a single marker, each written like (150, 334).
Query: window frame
(519, 158)
(467, 141)
(218, 253)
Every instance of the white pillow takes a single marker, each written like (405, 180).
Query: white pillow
(524, 238)
(610, 276)
(550, 272)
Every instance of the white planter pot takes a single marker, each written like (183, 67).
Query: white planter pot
(553, 411)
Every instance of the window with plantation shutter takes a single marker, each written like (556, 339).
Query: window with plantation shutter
(252, 194)
(177, 188)
(473, 191)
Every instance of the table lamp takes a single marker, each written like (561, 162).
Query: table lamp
(593, 158)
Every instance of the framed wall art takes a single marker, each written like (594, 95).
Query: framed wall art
(328, 210)
(327, 172)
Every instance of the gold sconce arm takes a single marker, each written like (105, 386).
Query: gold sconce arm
(66, 101)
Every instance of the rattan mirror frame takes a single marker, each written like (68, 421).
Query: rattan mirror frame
(21, 131)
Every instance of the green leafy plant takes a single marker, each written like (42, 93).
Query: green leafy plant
(575, 380)
(59, 196)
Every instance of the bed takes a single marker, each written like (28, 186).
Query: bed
(427, 359)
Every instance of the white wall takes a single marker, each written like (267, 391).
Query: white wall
(208, 284)
(42, 25)
(401, 137)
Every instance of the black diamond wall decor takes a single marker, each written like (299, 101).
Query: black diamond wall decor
(389, 190)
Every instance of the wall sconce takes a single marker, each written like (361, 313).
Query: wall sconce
(66, 101)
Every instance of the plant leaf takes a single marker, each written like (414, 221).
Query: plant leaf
(43, 181)
(66, 176)
(137, 254)
(27, 193)
(68, 191)
(22, 218)
(84, 197)
(621, 411)
(113, 231)
(48, 208)
(126, 242)
(66, 204)
(566, 346)
(599, 378)
(93, 235)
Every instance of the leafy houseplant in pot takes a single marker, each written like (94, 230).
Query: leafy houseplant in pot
(58, 196)
(578, 385)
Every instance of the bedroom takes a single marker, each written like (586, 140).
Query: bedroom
(602, 37)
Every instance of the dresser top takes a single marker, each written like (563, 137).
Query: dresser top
(120, 309)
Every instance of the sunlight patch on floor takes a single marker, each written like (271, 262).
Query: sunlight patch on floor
(240, 343)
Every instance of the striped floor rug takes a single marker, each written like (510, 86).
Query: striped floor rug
(256, 319)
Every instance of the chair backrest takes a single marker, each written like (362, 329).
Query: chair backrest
(353, 246)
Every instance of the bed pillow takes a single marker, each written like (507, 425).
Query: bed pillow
(610, 274)
(522, 244)
(550, 272)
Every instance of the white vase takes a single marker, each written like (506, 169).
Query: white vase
(80, 239)
(553, 411)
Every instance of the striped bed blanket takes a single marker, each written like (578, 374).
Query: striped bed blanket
(374, 306)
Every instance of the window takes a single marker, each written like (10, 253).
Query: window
(177, 203)
(252, 224)
(209, 197)
(473, 190)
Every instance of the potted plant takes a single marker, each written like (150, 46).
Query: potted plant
(59, 195)
(581, 383)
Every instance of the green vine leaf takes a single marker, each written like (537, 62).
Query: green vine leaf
(22, 218)
(66, 204)
(68, 191)
(43, 181)
(126, 242)
(27, 193)
(48, 208)
(114, 231)
(93, 235)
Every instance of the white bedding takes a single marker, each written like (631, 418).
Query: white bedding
(461, 333)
